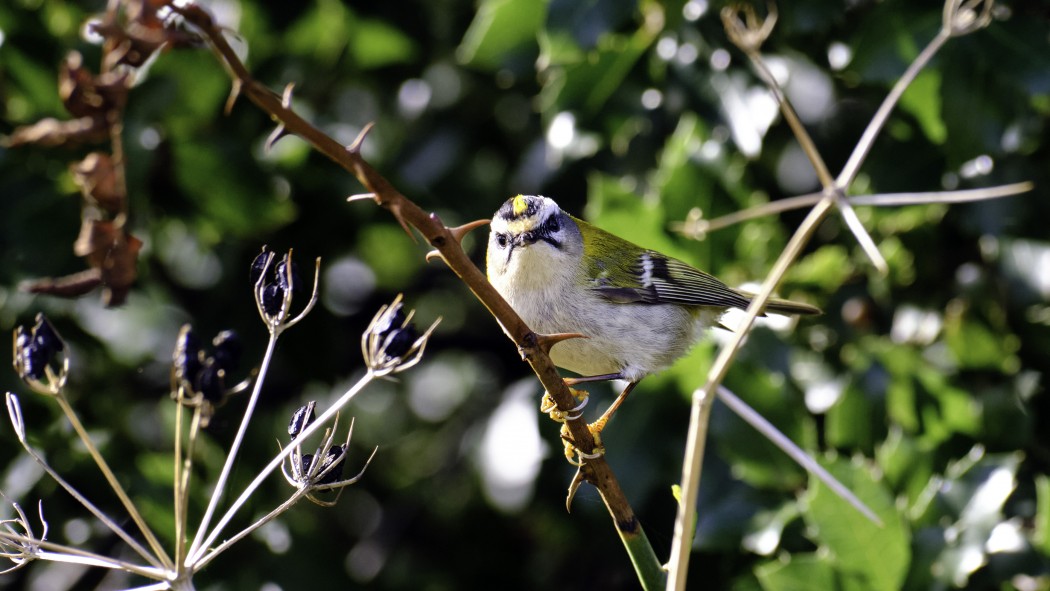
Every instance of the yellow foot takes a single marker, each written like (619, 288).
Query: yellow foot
(596, 429)
(548, 406)
(574, 455)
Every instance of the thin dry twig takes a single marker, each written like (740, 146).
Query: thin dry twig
(960, 17)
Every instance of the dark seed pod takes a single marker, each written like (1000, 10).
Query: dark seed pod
(34, 361)
(272, 299)
(301, 419)
(399, 341)
(281, 272)
(23, 340)
(45, 337)
(259, 266)
(307, 459)
(210, 382)
(186, 358)
(334, 456)
(389, 322)
(227, 350)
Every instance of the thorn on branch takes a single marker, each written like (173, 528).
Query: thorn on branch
(355, 147)
(460, 232)
(286, 96)
(275, 136)
(546, 341)
(574, 486)
(362, 197)
(235, 93)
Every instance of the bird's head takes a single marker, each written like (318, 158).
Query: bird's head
(532, 234)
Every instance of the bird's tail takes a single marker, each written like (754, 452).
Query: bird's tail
(788, 307)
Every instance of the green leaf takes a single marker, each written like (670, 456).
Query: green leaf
(877, 556)
(799, 572)
(588, 83)
(975, 491)
(679, 182)
(156, 468)
(500, 29)
(229, 201)
(975, 346)
(906, 464)
(756, 460)
(390, 254)
(923, 100)
(827, 268)
(33, 90)
(322, 32)
(855, 421)
(331, 29)
(616, 209)
(374, 44)
(1042, 513)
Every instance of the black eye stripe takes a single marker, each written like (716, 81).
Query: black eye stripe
(549, 226)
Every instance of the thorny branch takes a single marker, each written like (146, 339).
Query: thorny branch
(444, 239)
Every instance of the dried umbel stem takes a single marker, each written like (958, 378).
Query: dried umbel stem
(21, 547)
(744, 27)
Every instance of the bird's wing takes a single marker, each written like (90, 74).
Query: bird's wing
(653, 278)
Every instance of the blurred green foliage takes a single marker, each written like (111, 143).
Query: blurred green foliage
(924, 391)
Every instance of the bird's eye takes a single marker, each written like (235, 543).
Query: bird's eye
(501, 240)
(552, 225)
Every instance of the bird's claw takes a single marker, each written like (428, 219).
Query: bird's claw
(550, 407)
(575, 455)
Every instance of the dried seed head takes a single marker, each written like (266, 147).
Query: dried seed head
(272, 299)
(259, 265)
(186, 360)
(36, 356)
(227, 350)
(334, 458)
(295, 285)
(392, 343)
(301, 418)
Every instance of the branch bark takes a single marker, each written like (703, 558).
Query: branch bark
(443, 239)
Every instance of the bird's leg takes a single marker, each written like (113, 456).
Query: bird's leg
(597, 426)
(574, 455)
(605, 377)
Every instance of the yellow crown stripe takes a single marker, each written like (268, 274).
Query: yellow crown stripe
(520, 205)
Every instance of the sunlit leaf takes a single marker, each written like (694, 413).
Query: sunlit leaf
(877, 555)
(827, 268)
(500, 29)
(922, 100)
(798, 572)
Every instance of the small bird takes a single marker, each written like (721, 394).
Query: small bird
(639, 309)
